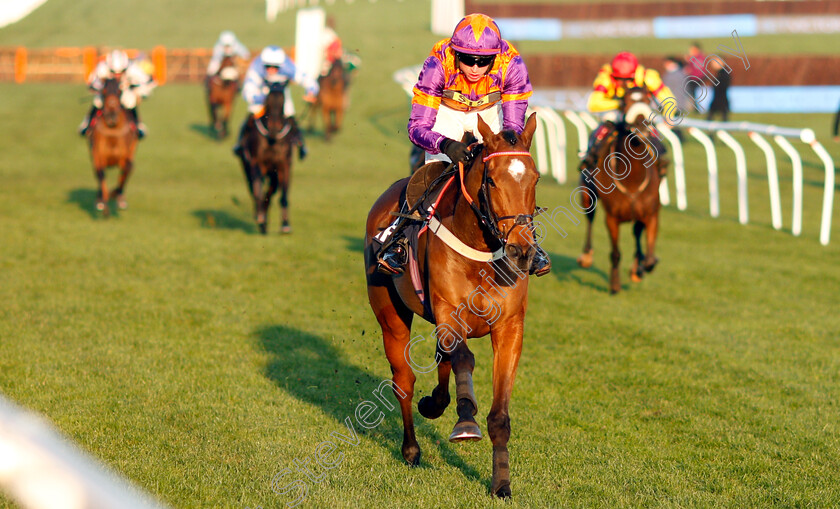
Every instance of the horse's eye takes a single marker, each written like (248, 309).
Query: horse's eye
(491, 182)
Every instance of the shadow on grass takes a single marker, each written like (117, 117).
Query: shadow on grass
(219, 219)
(86, 200)
(206, 130)
(566, 269)
(355, 244)
(309, 368)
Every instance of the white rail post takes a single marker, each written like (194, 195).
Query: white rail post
(679, 164)
(772, 179)
(557, 149)
(711, 164)
(583, 141)
(542, 139)
(828, 194)
(588, 119)
(796, 163)
(741, 169)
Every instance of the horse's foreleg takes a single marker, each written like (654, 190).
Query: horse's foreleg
(395, 320)
(265, 202)
(328, 127)
(433, 406)
(652, 231)
(585, 258)
(102, 195)
(285, 227)
(615, 254)
(507, 347)
(257, 194)
(463, 363)
(636, 271)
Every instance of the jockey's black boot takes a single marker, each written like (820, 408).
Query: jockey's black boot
(541, 264)
(596, 142)
(85, 125)
(141, 128)
(237, 149)
(393, 257)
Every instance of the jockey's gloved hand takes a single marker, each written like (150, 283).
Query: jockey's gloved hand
(456, 151)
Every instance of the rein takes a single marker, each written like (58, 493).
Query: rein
(265, 132)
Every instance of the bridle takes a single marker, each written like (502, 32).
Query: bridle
(484, 210)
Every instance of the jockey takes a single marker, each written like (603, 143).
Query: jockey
(333, 49)
(613, 80)
(273, 66)
(226, 46)
(134, 82)
(474, 72)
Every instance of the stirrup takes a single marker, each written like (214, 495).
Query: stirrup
(392, 260)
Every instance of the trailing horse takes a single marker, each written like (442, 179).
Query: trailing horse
(112, 138)
(627, 188)
(473, 278)
(221, 92)
(267, 155)
(331, 100)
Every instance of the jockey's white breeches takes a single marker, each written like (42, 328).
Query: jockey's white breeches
(613, 116)
(453, 124)
(129, 99)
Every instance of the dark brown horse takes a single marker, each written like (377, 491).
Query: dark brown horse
(628, 188)
(267, 155)
(221, 92)
(480, 289)
(113, 139)
(331, 100)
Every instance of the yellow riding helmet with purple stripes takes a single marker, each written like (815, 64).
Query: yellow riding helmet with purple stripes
(477, 34)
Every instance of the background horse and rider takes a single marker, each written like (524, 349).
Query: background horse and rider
(331, 99)
(112, 138)
(626, 183)
(476, 288)
(267, 157)
(222, 88)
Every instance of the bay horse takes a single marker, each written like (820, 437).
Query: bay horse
(628, 189)
(222, 88)
(267, 155)
(331, 99)
(112, 138)
(489, 210)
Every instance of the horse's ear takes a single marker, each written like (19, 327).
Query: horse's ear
(528, 132)
(484, 130)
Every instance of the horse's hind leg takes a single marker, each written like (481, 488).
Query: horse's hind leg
(615, 254)
(125, 172)
(395, 320)
(652, 231)
(585, 258)
(507, 348)
(636, 271)
(285, 227)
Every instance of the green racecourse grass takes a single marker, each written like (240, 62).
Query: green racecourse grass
(199, 359)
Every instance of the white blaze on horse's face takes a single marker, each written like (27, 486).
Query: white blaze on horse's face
(517, 169)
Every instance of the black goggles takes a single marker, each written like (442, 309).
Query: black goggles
(479, 60)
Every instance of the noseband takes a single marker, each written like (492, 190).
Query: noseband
(486, 215)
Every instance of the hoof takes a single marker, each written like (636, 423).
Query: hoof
(262, 228)
(652, 265)
(635, 272)
(100, 206)
(121, 203)
(635, 277)
(411, 454)
(585, 259)
(429, 409)
(465, 431)
(502, 491)
(286, 228)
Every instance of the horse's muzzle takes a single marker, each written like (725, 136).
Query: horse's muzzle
(521, 256)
